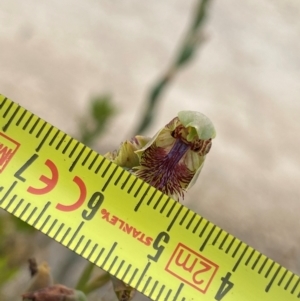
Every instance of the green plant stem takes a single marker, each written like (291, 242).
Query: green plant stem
(85, 277)
(86, 285)
(186, 51)
(96, 283)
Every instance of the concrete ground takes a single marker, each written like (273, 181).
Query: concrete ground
(55, 55)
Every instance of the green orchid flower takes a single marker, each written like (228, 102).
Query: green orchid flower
(172, 160)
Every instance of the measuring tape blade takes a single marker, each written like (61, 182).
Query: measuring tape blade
(120, 223)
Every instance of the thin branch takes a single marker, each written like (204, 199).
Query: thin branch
(187, 50)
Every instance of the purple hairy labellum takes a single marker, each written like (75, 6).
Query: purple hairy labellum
(172, 160)
(165, 169)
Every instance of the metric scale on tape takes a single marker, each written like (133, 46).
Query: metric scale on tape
(120, 223)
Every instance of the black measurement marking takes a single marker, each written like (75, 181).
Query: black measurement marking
(132, 185)
(158, 201)
(119, 177)
(54, 137)
(30, 215)
(11, 119)
(139, 189)
(93, 162)
(24, 167)
(183, 299)
(41, 214)
(86, 157)
(171, 209)
(21, 117)
(273, 279)
(198, 224)
(75, 234)
(109, 254)
(136, 208)
(240, 259)
(153, 289)
(126, 272)
(204, 229)
(165, 205)
(178, 291)
(191, 221)
(184, 217)
(125, 182)
(256, 261)
(41, 130)
(8, 192)
(18, 206)
(270, 269)
(146, 285)
(77, 158)
(109, 179)
(35, 125)
(65, 235)
(24, 210)
(58, 231)
(249, 258)
(217, 237)
(225, 287)
(223, 241)
(162, 236)
(60, 141)
(283, 276)
(160, 292)
(168, 295)
(295, 286)
(230, 245)
(51, 227)
(44, 139)
(67, 145)
(207, 238)
(151, 197)
(112, 264)
(99, 166)
(289, 281)
(99, 255)
(175, 217)
(263, 265)
(7, 110)
(119, 268)
(79, 243)
(133, 276)
(74, 149)
(106, 169)
(143, 274)
(236, 249)
(44, 223)
(3, 102)
(85, 247)
(28, 121)
(92, 252)
(10, 202)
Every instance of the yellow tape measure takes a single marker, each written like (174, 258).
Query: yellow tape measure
(123, 225)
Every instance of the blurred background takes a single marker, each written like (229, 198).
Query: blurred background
(239, 65)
